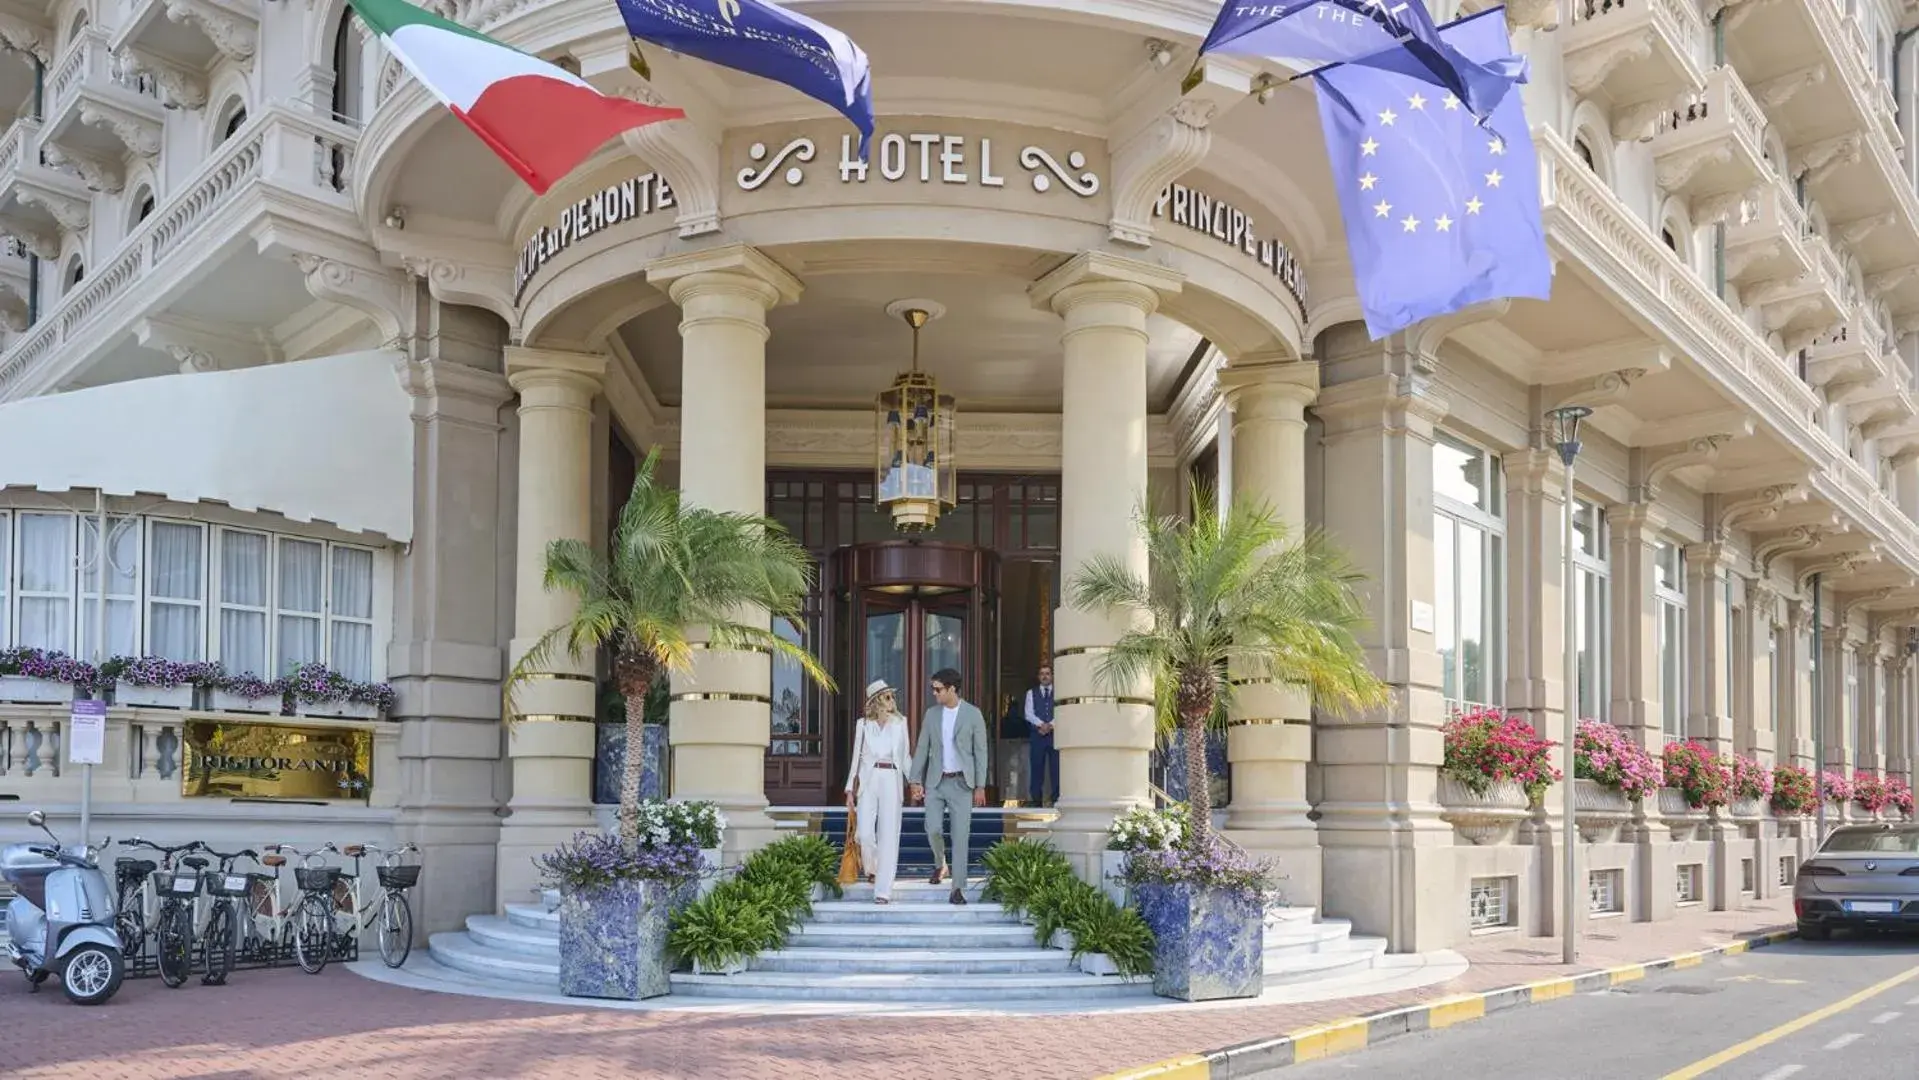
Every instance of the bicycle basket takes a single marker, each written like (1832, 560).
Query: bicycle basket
(126, 870)
(180, 882)
(316, 879)
(399, 877)
(219, 884)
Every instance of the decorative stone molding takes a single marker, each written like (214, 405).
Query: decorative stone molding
(70, 213)
(1586, 70)
(1762, 599)
(1676, 170)
(1795, 540)
(98, 173)
(374, 293)
(1748, 509)
(1741, 260)
(1741, 10)
(1851, 602)
(1823, 158)
(137, 133)
(39, 241)
(1151, 159)
(13, 308)
(1420, 344)
(687, 157)
(1878, 285)
(1840, 566)
(1858, 229)
(24, 37)
(180, 87)
(1596, 393)
(1780, 89)
(235, 38)
(1630, 123)
(1659, 462)
(452, 282)
(1709, 210)
(1540, 15)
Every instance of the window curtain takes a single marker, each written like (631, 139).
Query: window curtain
(45, 581)
(6, 578)
(302, 596)
(177, 593)
(123, 585)
(353, 600)
(243, 602)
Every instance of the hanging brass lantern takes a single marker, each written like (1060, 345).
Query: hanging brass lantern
(915, 474)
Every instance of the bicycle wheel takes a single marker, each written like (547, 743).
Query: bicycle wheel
(129, 919)
(313, 934)
(176, 944)
(216, 952)
(396, 929)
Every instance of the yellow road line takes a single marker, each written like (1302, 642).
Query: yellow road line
(1326, 1040)
(1731, 1053)
(1190, 1067)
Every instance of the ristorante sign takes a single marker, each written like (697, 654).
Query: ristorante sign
(255, 760)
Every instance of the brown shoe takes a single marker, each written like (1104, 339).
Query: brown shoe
(939, 875)
(958, 897)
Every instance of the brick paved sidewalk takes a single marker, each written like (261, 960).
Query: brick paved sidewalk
(277, 1024)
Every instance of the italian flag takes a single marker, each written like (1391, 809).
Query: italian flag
(541, 120)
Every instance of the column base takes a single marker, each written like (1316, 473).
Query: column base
(460, 851)
(526, 835)
(1403, 881)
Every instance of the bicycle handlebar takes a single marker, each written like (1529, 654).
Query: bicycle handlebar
(168, 852)
(226, 859)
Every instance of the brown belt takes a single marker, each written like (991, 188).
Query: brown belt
(944, 775)
(884, 765)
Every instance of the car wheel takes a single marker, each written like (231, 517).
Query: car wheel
(1809, 932)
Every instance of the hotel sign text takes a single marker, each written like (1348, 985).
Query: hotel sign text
(622, 202)
(924, 157)
(1225, 222)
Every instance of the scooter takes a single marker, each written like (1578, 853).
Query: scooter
(60, 921)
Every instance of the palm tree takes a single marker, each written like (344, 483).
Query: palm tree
(671, 569)
(1241, 595)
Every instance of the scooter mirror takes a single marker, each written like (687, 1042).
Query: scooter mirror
(37, 819)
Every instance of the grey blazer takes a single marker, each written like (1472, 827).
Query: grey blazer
(969, 738)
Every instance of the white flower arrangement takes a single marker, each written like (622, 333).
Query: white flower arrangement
(1143, 828)
(664, 823)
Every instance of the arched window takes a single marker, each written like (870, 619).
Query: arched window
(76, 272)
(1666, 237)
(346, 70)
(1585, 154)
(79, 24)
(234, 119)
(142, 205)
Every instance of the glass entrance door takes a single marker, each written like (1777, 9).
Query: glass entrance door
(906, 640)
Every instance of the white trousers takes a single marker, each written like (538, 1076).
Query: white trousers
(881, 802)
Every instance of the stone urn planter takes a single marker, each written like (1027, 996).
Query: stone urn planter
(35, 691)
(132, 695)
(1678, 815)
(613, 941)
(1208, 943)
(1748, 809)
(1491, 818)
(1112, 864)
(1097, 963)
(1600, 811)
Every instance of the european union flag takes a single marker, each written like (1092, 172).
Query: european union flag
(1398, 35)
(1441, 211)
(764, 39)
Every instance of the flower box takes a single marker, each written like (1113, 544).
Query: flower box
(35, 691)
(1489, 817)
(1599, 810)
(731, 967)
(613, 941)
(1062, 939)
(1748, 809)
(1112, 865)
(1208, 942)
(1678, 815)
(344, 710)
(1097, 963)
(228, 701)
(153, 697)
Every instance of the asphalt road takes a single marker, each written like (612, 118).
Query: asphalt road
(1844, 1008)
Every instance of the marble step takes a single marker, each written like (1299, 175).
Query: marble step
(505, 935)
(1307, 938)
(912, 892)
(533, 917)
(1360, 955)
(857, 911)
(981, 990)
(461, 952)
(945, 961)
(910, 936)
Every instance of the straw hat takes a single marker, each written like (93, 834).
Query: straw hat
(876, 688)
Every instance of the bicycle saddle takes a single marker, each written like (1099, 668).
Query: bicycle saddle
(135, 866)
(194, 861)
(353, 851)
(273, 860)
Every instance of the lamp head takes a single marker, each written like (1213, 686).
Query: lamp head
(1562, 426)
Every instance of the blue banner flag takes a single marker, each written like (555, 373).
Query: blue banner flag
(761, 38)
(1441, 210)
(1397, 35)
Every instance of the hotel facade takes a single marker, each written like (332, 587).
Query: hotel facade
(333, 379)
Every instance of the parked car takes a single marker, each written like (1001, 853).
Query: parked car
(1864, 877)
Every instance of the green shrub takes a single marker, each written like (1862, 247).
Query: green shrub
(814, 855)
(725, 925)
(758, 907)
(1117, 932)
(1021, 870)
(1029, 877)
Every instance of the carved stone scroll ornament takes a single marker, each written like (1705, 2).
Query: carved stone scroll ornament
(30, 41)
(13, 308)
(178, 86)
(98, 173)
(1823, 158)
(1755, 507)
(374, 293)
(1588, 68)
(42, 242)
(235, 39)
(688, 158)
(70, 213)
(452, 282)
(138, 134)
(1145, 164)
(1661, 462)
(1777, 91)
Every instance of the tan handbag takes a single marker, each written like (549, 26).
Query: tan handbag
(850, 858)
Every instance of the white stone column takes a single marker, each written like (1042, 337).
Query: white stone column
(1105, 732)
(1795, 736)
(1635, 654)
(1270, 739)
(1535, 559)
(1905, 484)
(551, 744)
(1708, 712)
(1760, 667)
(721, 712)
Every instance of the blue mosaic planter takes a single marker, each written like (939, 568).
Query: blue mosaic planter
(613, 941)
(1209, 943)
(610, 758)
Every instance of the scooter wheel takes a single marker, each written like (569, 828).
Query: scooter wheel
(92, 974)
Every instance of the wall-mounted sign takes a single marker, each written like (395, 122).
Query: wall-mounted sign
(1225, 222)
(622, 202)
(243, 759)
(925, 157)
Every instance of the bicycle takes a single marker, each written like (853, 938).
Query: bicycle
(220, 937)
(313, 912)
(393, 912)
(173, 926)
(266, 908)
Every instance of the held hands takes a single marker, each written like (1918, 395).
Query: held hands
(979, 796)
(914, 793)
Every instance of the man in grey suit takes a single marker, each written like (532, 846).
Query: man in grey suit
(952, 754)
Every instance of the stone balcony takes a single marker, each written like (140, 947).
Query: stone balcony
(285, 170)
(99, 112)
(1849, 355)
(1710, 150)
(176, 42)
(1636, 55)
(1765, 237)
(1806, 306)
(39, 206)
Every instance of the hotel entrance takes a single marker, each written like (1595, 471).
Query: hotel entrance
(974, 593)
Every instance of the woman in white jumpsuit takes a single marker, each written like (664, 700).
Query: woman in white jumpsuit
(876, 788)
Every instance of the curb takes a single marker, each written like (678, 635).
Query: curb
(1345, 1036)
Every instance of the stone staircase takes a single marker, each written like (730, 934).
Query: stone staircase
(917, 949)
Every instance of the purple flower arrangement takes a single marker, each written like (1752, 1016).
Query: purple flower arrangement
(311, 683)
(1209, 864)
(595, 860)
(157, 672)
(318, 683)
(250, 686)
(30, 663)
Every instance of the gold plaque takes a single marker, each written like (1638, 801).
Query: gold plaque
(248, 760)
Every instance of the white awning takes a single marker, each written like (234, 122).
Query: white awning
(327, 440)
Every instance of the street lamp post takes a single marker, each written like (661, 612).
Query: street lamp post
(1563, 426)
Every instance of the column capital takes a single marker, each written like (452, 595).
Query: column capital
(527, 367)
(1708, 557)
(1392, 403)
(1094, 275)
(736, 269)
(1256, 388)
